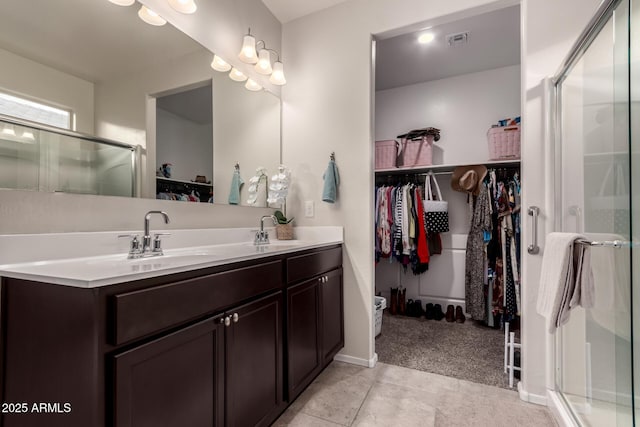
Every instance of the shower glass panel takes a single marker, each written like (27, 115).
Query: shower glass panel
(594, 349)
(44, 160)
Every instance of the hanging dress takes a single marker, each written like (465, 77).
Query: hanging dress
(474, 263)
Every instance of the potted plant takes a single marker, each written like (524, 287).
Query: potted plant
(284, 228)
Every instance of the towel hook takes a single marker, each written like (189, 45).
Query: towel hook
(333, 156)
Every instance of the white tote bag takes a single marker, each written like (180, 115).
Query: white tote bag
(436, 210)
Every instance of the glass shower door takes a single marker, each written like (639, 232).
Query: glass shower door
(594, 349)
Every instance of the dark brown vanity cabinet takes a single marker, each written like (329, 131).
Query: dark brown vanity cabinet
(180, 379)
(174, 380)
(254, 395)
(217, 347)
(315, 330)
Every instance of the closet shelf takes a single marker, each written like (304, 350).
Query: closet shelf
(160, 178)
(446, 168)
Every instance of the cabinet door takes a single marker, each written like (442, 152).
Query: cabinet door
(303, 335)
(176, 380)
(254, 394)
(332, 314)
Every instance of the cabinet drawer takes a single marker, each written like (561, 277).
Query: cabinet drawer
(303, 267)
(143, 312)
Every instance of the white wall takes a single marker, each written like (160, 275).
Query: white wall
(187, 145)
(23, 76)
(246, 128)
(462, 107)
(327, 104)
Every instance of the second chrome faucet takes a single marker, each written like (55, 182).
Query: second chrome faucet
(262, 236)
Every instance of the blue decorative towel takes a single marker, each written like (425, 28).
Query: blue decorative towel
(331, 182)
(236, 183)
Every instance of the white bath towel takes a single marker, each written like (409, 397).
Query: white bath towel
(566, 280)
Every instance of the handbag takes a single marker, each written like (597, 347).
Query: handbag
(436, 210)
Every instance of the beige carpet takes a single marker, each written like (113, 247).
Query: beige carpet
(468, 351)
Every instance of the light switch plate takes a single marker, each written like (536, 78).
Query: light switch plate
(308, 209)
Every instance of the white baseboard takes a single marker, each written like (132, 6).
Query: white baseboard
(530, 397)
(559, 410)
(369, 363)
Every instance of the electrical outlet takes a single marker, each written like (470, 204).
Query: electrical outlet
(308, 209)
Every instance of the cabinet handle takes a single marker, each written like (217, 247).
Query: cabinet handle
(235, 317)
(227, 321)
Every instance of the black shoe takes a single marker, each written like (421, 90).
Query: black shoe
(417, 307)
(410, 308)
(438, 314)
(451, 315)
(429, 314)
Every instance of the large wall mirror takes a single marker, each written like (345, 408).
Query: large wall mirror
(122, 80)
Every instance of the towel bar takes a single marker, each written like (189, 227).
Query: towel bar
(605, 243)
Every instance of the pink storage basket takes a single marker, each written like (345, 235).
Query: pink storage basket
(417, 153)
(386, 153)
(504, 142)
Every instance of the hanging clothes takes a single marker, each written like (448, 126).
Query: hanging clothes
(400, 227)
(476, 252)
(504, 247)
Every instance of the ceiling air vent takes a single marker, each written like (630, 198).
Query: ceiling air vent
(458, 39)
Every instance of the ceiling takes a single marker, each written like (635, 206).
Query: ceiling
(97, 41)
(493, 42)
(288, 10)
(193, 105)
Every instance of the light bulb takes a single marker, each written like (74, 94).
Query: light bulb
(426, 38)
(263, 66)
(237, 75)
(252, 85)
(220, 64)
(123, 2)
(150, 17)
(183, 6)
(277, 77)
(27, 134)
(248, 52)
(8, 130)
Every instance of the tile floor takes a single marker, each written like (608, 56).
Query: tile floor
(387, 395)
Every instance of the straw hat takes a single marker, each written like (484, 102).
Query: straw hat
(467, 179)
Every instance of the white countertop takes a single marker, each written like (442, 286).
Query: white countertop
(102, 270)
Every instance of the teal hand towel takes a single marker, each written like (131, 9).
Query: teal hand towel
(234, 192)
(331, 183)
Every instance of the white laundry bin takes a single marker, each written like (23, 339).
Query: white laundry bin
(380, 305)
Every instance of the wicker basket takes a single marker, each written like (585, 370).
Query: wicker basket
(284, 231)
(504, 142)
(417, 153)
(386, 153)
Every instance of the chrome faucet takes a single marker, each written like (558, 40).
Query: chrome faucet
(146, 250)
(262, 236)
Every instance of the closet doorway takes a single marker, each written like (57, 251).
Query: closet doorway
(447, 112)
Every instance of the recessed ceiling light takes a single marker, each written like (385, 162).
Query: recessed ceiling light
(425, 38)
